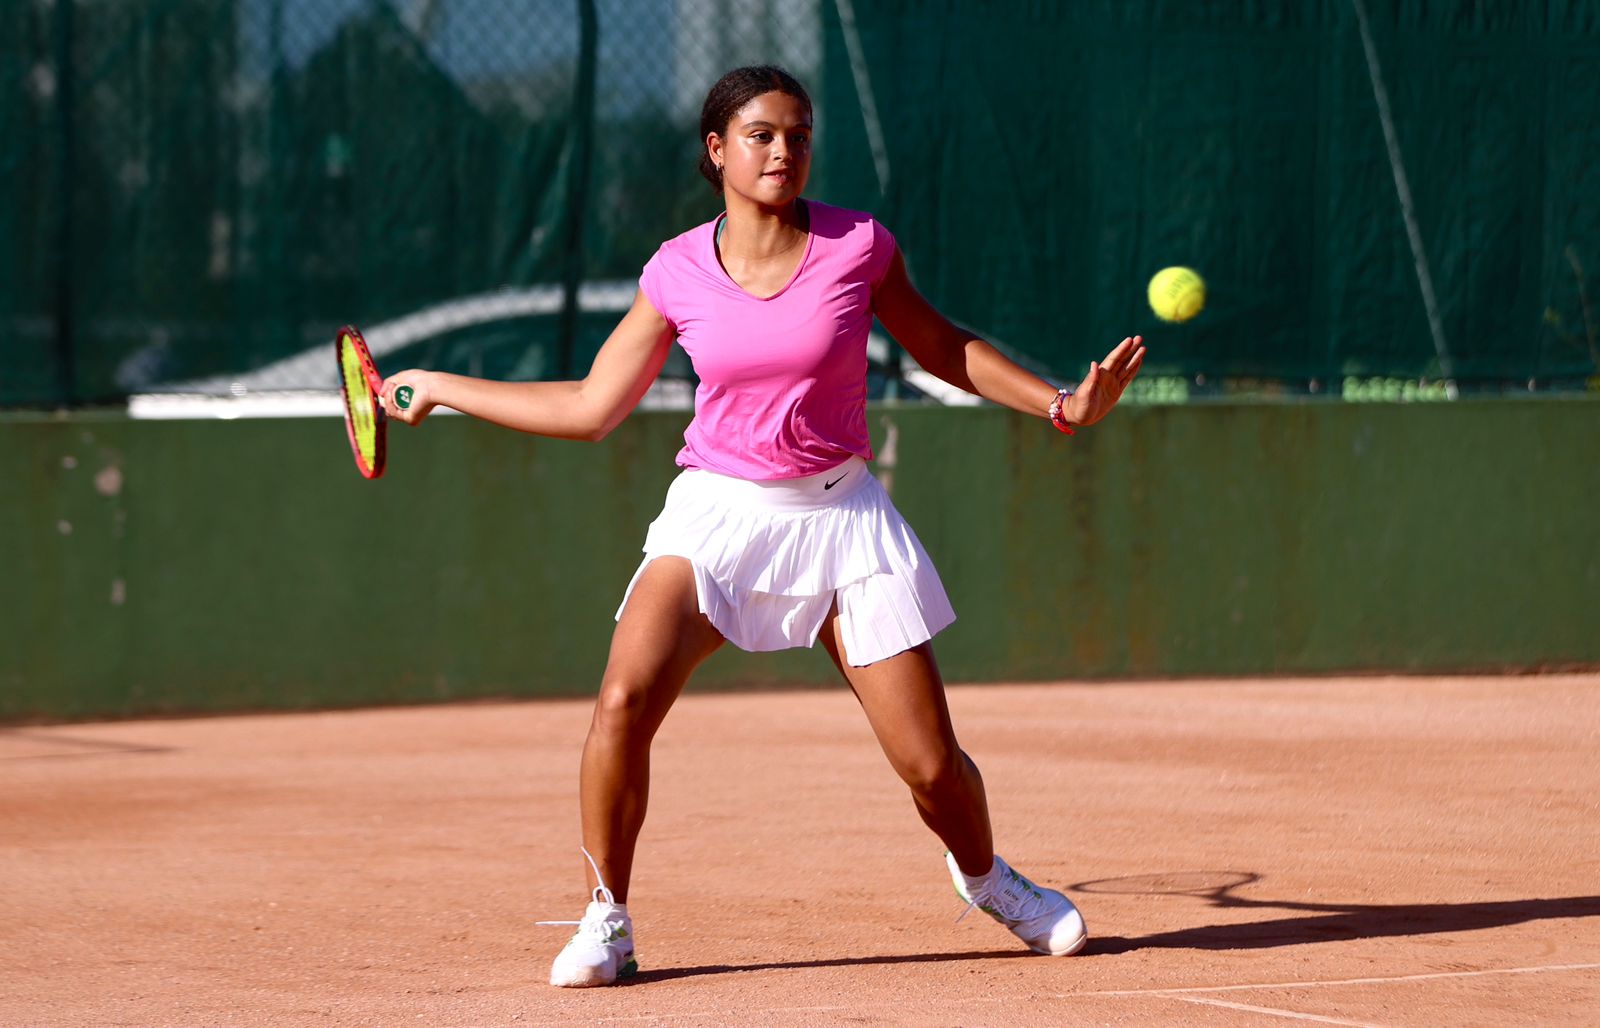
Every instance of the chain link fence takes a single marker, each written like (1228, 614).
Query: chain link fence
(194, 194)
(202, 191)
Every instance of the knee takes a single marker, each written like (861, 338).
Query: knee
(621, 710)
(934, 773)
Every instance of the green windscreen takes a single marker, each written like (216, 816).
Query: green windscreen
(194, 194)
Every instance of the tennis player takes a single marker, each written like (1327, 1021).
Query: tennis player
(776, 534)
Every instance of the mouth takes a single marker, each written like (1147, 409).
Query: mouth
(780, 176)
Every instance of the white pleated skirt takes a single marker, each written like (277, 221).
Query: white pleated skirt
(771, 558)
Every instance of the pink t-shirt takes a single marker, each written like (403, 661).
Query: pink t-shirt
(783, 380)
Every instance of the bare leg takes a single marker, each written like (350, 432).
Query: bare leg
(660, 639)
(903, 697)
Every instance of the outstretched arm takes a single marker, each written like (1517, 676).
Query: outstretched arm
(958, 358)
(627, 363)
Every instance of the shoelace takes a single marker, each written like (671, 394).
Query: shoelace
(599, 928)
(1015, 899)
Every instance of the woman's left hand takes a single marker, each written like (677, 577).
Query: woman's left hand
(1102, 387)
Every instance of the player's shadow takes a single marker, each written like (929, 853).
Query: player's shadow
(1329, 922)
(1312, 922)
(58, 746)
(667, 973)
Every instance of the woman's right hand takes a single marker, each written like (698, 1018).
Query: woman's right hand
(422, 400)
(627, 363)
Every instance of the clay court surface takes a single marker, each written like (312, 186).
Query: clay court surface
(1383, 851)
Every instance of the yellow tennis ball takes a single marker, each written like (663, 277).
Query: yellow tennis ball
(1177, 294)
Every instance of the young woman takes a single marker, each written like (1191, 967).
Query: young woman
(776, 534)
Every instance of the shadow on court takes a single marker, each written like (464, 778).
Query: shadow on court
(1321, 923)
(52, 745)
(669, 973)
(1335, 922)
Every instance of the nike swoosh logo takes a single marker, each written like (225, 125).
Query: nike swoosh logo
(841, 478)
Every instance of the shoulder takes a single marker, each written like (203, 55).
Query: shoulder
(829, 221)
(856, 235)
(678, 269)
(686, 251)
(687, 246)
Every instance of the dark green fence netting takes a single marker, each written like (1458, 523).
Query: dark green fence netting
(195, 193)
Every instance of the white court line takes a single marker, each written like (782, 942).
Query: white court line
(1186, 994)
(1348, 981)
(1274, 1011)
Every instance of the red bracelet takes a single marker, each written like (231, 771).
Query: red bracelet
(1057, 410)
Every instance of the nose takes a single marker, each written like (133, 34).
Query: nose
(780, 149)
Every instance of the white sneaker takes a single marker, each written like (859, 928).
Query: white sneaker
(601, 950)
(1043, 918)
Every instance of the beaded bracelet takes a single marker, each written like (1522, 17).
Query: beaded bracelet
(1057, 410)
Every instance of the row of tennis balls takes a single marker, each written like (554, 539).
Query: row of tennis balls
(1177, 294)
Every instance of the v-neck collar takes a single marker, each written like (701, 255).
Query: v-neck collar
(716, 255)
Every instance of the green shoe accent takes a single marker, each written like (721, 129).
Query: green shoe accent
(629, 969)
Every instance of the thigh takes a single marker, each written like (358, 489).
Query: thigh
(903, 698)
(660, 638)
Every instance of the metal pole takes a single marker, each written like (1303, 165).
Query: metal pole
(1408, 210)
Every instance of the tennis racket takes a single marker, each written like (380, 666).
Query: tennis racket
(1212, 886)
(360, 384)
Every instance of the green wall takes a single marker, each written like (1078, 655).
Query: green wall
(156, 567)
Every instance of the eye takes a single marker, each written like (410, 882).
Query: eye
(762, 137)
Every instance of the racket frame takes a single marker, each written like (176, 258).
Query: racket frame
(374, 384)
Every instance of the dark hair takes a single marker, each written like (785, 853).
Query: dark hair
(732, 91)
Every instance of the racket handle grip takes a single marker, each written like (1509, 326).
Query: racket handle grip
(402, 397)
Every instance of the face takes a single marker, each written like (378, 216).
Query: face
(766, 151)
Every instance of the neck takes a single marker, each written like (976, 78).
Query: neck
(754, 232)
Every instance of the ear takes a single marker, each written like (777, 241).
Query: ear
(714, 148)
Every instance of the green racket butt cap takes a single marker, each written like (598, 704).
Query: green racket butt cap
(402, 397)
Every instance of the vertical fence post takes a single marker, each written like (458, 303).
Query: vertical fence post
(583, 115)
(66, 370)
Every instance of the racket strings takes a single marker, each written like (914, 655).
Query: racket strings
(359, 400)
